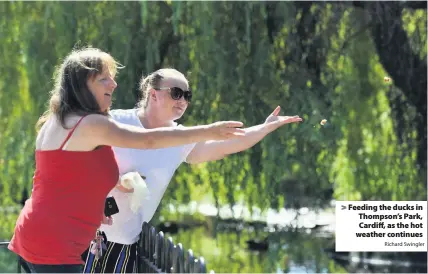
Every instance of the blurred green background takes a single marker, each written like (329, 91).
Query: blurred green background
(319, 60)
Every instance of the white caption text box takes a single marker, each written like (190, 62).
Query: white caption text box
(353, 218)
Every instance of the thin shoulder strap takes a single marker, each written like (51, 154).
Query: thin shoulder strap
(70, 133)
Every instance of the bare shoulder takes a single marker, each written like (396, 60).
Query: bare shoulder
(40, 135)
(96, 122)
(98, 129)
(93, 126)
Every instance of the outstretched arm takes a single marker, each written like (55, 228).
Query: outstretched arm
(216, 150)
(100, 130)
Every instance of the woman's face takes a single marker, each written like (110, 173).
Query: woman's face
(102, 87)
(170, 108)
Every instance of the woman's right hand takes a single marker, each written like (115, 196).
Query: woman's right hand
(224, 130)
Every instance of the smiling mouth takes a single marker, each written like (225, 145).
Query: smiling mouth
(107, 94)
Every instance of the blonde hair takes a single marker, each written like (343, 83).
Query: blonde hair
(154, 80)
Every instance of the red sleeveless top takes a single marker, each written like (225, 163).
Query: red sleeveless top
(66, 206)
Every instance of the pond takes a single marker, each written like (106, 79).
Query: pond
(231, 246)
(293, 251)
(247, 252)
(229, 252)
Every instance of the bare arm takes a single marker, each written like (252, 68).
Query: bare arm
(101, 130)
(216, 150)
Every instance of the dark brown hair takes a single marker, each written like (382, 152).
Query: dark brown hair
(71, 93)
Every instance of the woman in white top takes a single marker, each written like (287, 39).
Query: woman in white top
(165, 98)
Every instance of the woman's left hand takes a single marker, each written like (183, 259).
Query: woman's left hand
(124, 189)
(121, 188)
(278, 121)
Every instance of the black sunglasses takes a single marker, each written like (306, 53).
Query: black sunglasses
(177, 93)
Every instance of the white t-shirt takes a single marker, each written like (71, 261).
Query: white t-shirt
(158, 165)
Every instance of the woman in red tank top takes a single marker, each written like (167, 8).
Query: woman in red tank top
(75, 165)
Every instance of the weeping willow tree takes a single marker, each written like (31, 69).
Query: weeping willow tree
(317, 60)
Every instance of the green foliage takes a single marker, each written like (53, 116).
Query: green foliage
(239, 71)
